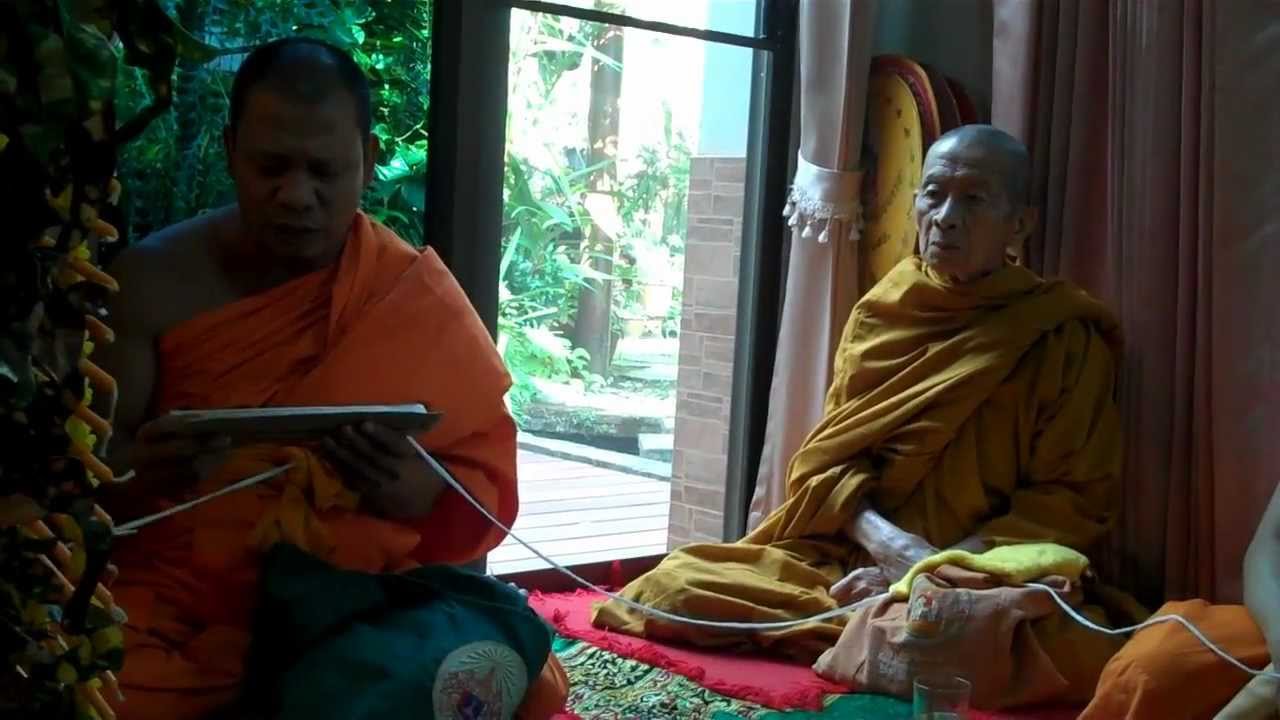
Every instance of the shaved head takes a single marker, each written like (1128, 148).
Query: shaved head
(1009, 157)
(973, 207)
(304, 70)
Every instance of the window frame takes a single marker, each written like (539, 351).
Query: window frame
(466, 161)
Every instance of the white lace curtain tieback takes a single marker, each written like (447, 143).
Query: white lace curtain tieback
(820, 196)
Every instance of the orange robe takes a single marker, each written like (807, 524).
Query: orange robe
(386, 324)
(1165, 672)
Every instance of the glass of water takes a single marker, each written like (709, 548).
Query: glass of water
(942, 697)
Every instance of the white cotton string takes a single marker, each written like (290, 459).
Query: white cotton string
(133, 526)
(782, 625)
(1075, 615)
(1066, 607)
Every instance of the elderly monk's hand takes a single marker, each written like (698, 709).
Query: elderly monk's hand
(894, 550)
(860, 584)
(381, 465)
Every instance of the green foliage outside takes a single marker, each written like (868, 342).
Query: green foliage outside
(176, 168)
(549, 212)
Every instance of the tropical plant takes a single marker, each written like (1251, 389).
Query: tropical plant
(654, 197)
(552, 206)
(60, 631)
(539, 277)
(653, 207)
(544, 222)
(389, 39)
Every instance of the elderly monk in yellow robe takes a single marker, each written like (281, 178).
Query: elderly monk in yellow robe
(973, 405)
(292, 296)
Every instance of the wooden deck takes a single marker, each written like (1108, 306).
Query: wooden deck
(577, 513)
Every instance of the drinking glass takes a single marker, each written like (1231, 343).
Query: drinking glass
(942, 697)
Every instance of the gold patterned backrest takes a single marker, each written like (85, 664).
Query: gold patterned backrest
(902, 121)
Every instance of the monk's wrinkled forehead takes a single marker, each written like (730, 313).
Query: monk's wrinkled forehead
(980, 152)
(967, 158)
(960, 164)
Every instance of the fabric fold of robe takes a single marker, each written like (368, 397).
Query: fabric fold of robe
(956, 410)
(386, 324)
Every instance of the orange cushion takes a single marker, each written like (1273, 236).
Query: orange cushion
(1165, 672)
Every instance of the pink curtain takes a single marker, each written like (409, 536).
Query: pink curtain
(835, 57)
(1153, 130)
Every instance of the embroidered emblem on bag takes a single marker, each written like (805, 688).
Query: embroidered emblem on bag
(480, 681)
(936, 614)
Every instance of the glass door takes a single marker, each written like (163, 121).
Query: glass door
(638, 157)
(618, 281)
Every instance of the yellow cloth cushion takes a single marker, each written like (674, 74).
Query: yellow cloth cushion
(1012, 564)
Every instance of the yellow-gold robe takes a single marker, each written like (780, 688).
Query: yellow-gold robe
(986, 408)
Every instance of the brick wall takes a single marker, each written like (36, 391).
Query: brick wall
(707, 321)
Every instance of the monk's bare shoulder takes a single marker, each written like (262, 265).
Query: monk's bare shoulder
(169, 276)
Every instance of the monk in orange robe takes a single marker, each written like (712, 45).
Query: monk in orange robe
(1166, 672)
(973, 405)
(292, 297)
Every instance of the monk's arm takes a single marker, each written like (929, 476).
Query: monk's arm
(895, 550)
(1262, 575)
(1068, 493)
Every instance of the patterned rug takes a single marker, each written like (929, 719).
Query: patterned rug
(755, 680)
(605, 686)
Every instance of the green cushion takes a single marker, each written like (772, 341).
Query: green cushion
(439, 641)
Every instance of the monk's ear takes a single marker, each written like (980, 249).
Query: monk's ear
(1025, 222)
(371, 149)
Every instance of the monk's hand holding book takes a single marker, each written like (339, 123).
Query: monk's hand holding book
(380, 464)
